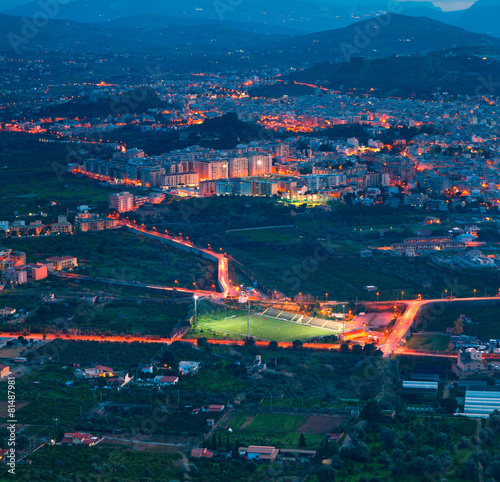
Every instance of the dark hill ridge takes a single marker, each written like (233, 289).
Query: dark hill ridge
(380, 37)
(483, 16)
(457, 72)
(302, 15)
(136, 101)
(68, 35)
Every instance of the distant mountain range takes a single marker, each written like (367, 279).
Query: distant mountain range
(263, 16)
(383, 36)
(483, 16)
(393, 54)
(67, 35)
(380, 37)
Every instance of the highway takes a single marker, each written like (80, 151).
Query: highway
(223, 262)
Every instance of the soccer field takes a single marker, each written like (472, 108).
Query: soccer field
(263, 328)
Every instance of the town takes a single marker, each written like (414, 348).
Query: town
(249, 258)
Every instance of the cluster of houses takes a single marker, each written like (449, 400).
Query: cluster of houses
(15, 270)
(84, 221)
(261, 453)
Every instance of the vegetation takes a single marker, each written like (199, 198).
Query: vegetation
(440, 316)
(118, 356)
(103, 462)
(429, 342)
(122, 256)
(34, 183)
(111, 317)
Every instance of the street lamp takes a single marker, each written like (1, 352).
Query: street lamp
(377, 295)
(402, 295)
(474, 292)
(326, 295)
(195, 309)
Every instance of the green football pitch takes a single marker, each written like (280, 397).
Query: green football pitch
(263, 328)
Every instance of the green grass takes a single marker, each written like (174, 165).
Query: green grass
(276, 422)
(279, 235)
(484, 316)
(429, 342)
(275, 429)
(261, 328)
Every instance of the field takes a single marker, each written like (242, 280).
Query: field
(283, 429)
(429, 342)
(262, 328)
(483, 315)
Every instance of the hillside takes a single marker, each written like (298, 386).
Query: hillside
(74, 36)
(379, 37)
(299, 15)
(456, 72)
(154, 22)
(481, 17)
(137, 101)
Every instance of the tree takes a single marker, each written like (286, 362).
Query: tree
(302, 441)
(388, 436)
(344, 348)
(214, 442)
(326, 474)
(202, 342)
(398, 470)
(273, 345)
(458, 327)
(417, 466)
(296, 344)
(371, 411)
(384, 459)
(449, 404)
(357, 349)
(249, 342)
(369, 349)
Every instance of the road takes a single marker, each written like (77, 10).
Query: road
(406, 320)
(223, 263)
(200, 293)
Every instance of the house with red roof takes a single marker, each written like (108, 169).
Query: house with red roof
(166, 380)
(80, 439)
(201, 453)
(259, 452)
(4, 371)
(216, 408)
